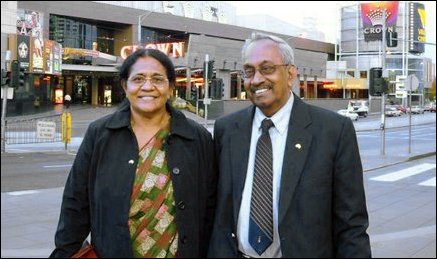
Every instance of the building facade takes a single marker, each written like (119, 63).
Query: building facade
(399, 52)
(95, 38)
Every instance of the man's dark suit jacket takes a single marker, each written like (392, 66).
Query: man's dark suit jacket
(322, 207)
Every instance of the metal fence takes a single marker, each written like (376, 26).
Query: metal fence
(33, 130)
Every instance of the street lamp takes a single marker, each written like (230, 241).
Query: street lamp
(143, 16)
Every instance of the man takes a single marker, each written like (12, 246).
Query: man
(295, 187)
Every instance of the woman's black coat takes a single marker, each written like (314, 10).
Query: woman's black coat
(98, 190)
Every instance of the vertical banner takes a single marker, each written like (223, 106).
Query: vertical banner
(37, 59)
(372, 15)
(48, 56)
(23, 51)
(416, 27)
(57, 58)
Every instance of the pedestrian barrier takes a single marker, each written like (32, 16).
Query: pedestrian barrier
(33, 130)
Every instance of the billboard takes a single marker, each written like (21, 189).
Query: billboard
(29, 23)
(372, 15)
(416, 27)
(23, 51)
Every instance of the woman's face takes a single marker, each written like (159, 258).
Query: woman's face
(147, 86)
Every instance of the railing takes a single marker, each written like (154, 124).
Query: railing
(33, 130)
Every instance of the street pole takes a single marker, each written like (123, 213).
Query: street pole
(4, 105)
(384, 75)
(206, 85)
(410, 86)
(141, 17)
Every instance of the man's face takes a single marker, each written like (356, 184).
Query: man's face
(268, 79)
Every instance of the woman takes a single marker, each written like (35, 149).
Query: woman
(144, 181)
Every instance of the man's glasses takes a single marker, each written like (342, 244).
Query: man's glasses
(265, 70)
(158, 81)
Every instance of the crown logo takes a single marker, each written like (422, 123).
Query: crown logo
(377, 16)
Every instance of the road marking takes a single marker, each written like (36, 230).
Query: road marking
(391, 177)
(430, 182)
(18, 193)
(55, 166)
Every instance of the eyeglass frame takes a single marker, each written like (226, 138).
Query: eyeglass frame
(149, 78)
(263, 73)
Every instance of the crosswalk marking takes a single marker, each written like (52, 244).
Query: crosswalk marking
(391, 177)
(430, 182)
(19, 193)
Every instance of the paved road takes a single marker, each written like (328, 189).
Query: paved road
(401, 201)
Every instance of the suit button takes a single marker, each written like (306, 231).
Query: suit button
(181, 205)
(131, 162)
(184, 240)
(176, 170)
(232, 235)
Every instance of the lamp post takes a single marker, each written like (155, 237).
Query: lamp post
(143, 16)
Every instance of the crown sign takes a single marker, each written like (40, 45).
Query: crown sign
(377, 16)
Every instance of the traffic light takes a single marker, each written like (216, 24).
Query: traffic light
(377, 84)
(210, 68)
(5, 77)
(392, 39)
(217, 88)
(193, 92)
(15, 70)
(21, 76)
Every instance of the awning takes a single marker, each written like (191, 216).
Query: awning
(110, 69)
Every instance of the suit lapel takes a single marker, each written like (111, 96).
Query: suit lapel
(295, 155)
(240, 146)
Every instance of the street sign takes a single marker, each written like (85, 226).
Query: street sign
(400, 82)
(10, 93)
(401, 94)
(45, 129)
(411, 82)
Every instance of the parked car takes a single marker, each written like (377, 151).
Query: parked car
(416, 110)
(430, 107)
(392, 112)
(361, 107)
(401, 108)
(347, 113)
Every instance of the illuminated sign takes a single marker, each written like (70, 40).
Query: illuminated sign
(174, 49)
(416, 27)
(372, 15)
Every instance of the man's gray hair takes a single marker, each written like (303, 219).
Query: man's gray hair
(285, 49)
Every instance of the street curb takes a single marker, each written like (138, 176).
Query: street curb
(395, 127)
(402, 161)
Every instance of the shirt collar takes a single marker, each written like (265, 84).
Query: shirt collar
(281, 118)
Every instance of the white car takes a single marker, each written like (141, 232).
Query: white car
(392, 112)
(349, 114)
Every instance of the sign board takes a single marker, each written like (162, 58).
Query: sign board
(46, 130)
(400, 82)
(10, 93)
(411, 82)
(207, 101)
(401, 94)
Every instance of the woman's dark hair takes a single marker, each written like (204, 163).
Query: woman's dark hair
(165, 61)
